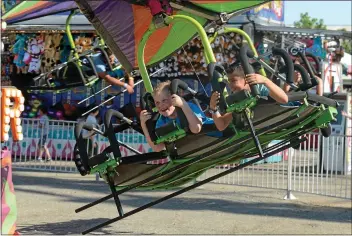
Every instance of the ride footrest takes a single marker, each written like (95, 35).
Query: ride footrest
(144, 157)
(239, 101)
(169, 133)
(90, 80)
(104, 167)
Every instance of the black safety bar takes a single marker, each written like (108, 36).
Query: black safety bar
(109, 129)
(216, 72)
(175, 85)
(302, 55)
(305, 77)
(246, 53)
(317, 68)
(81, 142)
(91, 63)
(288, 67)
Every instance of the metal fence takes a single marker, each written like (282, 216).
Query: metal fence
(318, 166)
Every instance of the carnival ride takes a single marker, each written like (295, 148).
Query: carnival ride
(79, 70)
(256, 121)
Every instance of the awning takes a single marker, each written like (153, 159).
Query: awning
(27, 10)
(52, 23)
(304, 32)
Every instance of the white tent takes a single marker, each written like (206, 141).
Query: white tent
(54, 22)
(347, 59)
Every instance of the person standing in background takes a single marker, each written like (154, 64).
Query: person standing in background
(43, 132)
(92, 145)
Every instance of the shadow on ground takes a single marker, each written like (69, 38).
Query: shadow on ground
(65, 228)
(239, 203)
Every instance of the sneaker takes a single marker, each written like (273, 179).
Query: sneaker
(48, 160)
(158, 20)
(40, 159)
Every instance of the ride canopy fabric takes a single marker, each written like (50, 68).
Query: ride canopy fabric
(122, 24)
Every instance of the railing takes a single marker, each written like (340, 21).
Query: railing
(319, 166)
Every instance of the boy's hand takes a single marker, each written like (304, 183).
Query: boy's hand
(214, 100)
(129, 89)
(144, 116)
(253, 79)
(177, 101)
(131, 81)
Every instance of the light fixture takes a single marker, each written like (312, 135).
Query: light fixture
(3, 25)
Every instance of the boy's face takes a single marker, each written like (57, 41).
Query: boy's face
(163, 103)
(297, 76)
(40, 113)
(112, 59)
(236, 83)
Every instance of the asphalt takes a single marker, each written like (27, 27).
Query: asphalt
(47, 201)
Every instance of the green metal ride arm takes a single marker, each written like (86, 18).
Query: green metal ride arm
(226, 30)
(209, 55)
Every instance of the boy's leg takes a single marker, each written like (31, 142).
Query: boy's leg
(167, 7)
(95, 148)
(155, 7)
(41, 150)
(90, 147)
(159, 8)
(47, 153)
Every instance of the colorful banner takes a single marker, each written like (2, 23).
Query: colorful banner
(273, 11)
(7, 5)
(8, 197)
(349, 134)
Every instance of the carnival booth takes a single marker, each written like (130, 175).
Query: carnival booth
(12, 104)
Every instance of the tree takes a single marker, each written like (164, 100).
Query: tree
(306, 22)
(346, 44)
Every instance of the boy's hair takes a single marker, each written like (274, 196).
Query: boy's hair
(43, 109)
(109, 52)
(162, 87)
(237, 72)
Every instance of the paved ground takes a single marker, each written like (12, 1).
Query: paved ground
(46, 204)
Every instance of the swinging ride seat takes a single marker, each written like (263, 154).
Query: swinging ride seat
(76, 72)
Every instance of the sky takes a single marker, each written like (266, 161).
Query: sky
(332, 12)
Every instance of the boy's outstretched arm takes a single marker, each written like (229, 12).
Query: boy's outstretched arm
(144, 116)
(320, 86)
(274, 91)
(130, 79)
(194, 123)
(116, 81)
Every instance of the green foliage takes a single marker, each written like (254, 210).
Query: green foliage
(306, 22)
(346, 44)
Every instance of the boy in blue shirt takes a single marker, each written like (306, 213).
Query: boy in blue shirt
(112, 77)
(239, 81)
(166, 104)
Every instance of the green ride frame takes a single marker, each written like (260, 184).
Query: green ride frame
(198, 164)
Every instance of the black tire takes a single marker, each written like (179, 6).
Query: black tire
(296, 146)
(326, 131)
